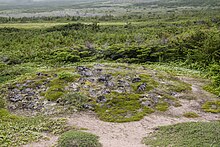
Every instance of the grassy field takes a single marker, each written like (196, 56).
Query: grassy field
(52, 24)
(30, 25)
(204, 134)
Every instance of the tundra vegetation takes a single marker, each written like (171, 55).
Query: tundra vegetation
(122, 61)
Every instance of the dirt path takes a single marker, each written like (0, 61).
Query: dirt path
(130, 134)
(124, 134)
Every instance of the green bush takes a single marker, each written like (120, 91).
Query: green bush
(78, 139)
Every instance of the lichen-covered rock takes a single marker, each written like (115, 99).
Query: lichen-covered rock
(88, 88)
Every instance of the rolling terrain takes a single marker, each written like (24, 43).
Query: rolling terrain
(111, 73)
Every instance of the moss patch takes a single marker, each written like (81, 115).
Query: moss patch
(162, 106)
(57, 85)
(68, 76)
(122, 108)
(54, 92)
(190, 115)
(211, 106)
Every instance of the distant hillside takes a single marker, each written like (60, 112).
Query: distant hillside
(181, 3)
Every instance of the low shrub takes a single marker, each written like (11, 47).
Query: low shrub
(78, 139)
(77, 100)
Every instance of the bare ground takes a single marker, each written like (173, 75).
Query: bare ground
(130, 134)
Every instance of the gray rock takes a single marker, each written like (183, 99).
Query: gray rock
(12, 107)
(28, 90)
(31, 105)
(135, 80)
(109, 84)
(97, 71)
(92, 93)
(120, 90)
(16, 98)
(105, 91)
(104, 78)
(84, 71)
(15, 90)
(122, 83)
(142, 87)
(155, 99)
(147, 103)
(91, 79)
(88, 106)
(28, 98)
(18, 85)
(74, 86)
(101, 99)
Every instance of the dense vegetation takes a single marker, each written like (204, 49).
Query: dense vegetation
(16, 130)
(193, 42)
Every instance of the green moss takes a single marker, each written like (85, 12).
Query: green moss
(78, 139)
(190, 115)
(162, 106)
(68, 76)
(56, 89)
(122, 108)
(56, 81)
(117, 73)
(54, 92)
(191, 134)
(150, 83)
(211, 106)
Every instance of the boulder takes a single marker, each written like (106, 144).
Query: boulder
(135, 80)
